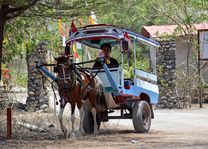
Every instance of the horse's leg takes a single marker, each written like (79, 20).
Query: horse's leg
(81, 114)
(72, 119)
(60, 116)
(92, 97)
(95, 120)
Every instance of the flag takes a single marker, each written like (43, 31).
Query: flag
(73, 27)
(81, 22)
(61, 30)
(92, 18)
(79, 48)
(74, 48)
(126, 36)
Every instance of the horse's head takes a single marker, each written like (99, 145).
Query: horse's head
(64, 69)
(62, 65)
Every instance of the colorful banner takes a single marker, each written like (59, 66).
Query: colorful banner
(73, 28)
(126, 36)
(74, 48)
(92, 18)
(61, 30)
(79, 48)
(81, 23)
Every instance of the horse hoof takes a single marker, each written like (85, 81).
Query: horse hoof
(95, 133)
(83, 132)
(79, 133)
(66, 135)
(72, 135)
(64, 130)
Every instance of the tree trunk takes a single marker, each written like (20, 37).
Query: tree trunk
(3, 13)
(2, 24)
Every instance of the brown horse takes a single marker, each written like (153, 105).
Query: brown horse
(75, 87)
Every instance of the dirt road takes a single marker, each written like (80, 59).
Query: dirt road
(170, 129)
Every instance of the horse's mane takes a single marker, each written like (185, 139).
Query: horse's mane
(62, 59)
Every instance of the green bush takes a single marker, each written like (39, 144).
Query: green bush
(18, 79)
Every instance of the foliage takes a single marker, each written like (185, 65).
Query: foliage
(131, 14)
(40, 23)
(35, 23)
(142, 63)
(28, 34)
(181, 12)
(25, 23)
(18, 79)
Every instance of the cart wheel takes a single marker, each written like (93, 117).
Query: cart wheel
(88, 123)
(141, 117)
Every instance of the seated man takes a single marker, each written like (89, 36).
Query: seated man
(105, 52)
(111, 63)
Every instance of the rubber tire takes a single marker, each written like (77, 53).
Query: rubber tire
(141, 117)
(88, 123)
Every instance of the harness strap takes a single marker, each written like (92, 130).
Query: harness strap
(79, 78)
(64, 78)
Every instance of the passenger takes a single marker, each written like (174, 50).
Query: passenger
(105, 52)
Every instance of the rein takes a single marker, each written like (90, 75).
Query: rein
(63, 71)
(69, 76)
(88, 85)
(101, 60)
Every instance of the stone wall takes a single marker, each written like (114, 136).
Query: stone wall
(166, 66)
(37, 95)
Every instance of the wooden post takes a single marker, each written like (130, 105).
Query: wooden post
(9, 123)
(199, 70)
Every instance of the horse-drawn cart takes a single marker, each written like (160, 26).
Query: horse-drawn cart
(133, 97)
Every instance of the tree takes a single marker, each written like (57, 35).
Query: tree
(184, 14)
(8, 11)
(42, 9)
(131, 14)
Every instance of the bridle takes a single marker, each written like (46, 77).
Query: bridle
(69, 78)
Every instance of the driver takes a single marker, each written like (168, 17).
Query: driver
(105, 52)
